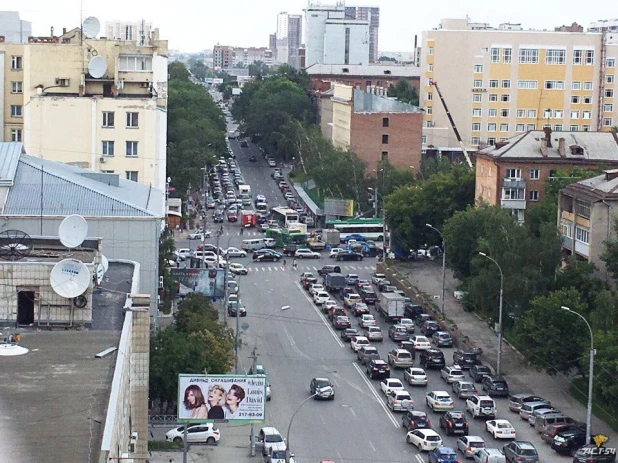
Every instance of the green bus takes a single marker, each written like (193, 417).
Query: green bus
(283, 237)
(371, 229)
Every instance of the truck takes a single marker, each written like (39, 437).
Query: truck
(331, 236)
(315, 244)
(391, 306)
(248, 218)
(244, 189)
(334, 282)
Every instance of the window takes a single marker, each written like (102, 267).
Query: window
(16, 135)
(430, 67)
(16, 63)
(429, 96)
(16, 87)
(493, 112)
(587, 100)
(131, 149)
(495, 55)
(520, 128)
(493, 97)
(554, 85)
(534, 174)
(108, 118)
(506, 83)
(532, 113)
(576, 85)
(587, 85)
(493, 83)
(132, 120)
(429, 82)
(589, 57)
(107, 171)
(429, 110)
(609, 93)
(575, 100)
(586, 114)
(507, 55)
(385, 139)
(477, 97)
(566, 229)
(478, 83)
(131, 175)
(582, 208)
(581, 235)
(585, 128)
(16, 110)
(476, 112)
(521, 113)
(491, 141)
(574, 128)
(557, 127)
(424, 139)
(504, 113)
(385, 122)
(512, 193)
(134, 63)
(384, 155)
(558, 114)
(611, 62)
(577, 56)
(552, 173)
(528, 56)
(476, 126)
(608, 108)
(478, 68)
(530, 127)
(574, 115)
(367, 83)
(505, 97)
(533, 195)
(475, 141)
(430, 50)
(547, 126)
(504, 127)
(607, 122)
(527, 84)
(546, 113)
(107, 148)
(491, 127)
(512, 173)
(609, 79)
(555, 56)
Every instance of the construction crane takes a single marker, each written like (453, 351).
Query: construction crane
(450, 118)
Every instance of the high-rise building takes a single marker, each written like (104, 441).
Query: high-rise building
(272, 42)
(510, 81)
(13, 29)
(371, 14)
(289, 36)
(331, 38)
(138, 31)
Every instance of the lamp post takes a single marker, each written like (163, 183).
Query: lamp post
(590, 373)
(375, 203)
(290, 424)
(443, 263)
(499, 360)
(254, 365)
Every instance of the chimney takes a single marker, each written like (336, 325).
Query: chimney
(611, 174)
(547, 131)
(52, 32)
(64, 31)
(544, 147)
(561, 146)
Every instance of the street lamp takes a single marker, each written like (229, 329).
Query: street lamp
(291, 421)
(443, 261)
(499, 360)
(590, 373)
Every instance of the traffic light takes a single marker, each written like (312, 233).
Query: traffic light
(372, 197)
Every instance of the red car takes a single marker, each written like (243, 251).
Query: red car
(360, 308)
(232, 217)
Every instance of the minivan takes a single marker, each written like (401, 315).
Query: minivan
(542, 412)
(517, 400)
(556, 418)
(253, 245)
(528, 408)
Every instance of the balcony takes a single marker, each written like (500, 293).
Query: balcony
(518, 183)
(513, 203)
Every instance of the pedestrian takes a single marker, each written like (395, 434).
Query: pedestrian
(221, 230)
(294, 264)
(242, 230)
(284, 262)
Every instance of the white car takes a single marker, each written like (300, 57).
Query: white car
(377, 278)
(320, 297)
(450, 374)
(439, 401)
(272, 163)
(408, 323)
(424, 439)
(334, 252)
(184, 252)
(329, 305)
(315, 287)
(500, 429)
(206, 432)
(367, 320)
(390, 384)
(213, 261)
(237, 269)
(306, 254)
(415, 376)
(358, 342)
(199, 235)
(235, 252)
(420, 342)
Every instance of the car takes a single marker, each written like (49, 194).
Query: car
(495, 386)
(591, 454)
(415, 376)
(237, 269)
(390, 384)
(309, 281)
(382, 284)
(517, 400)
(368, 295)
(272, 163)
(398, 333)
(378, 369)
(521, 452)
(412, 310)
(235, 307)
(235, 252)
(366, 354)
(500, 429)
(399, 401)
(389, 289)
(377, 278)
(233, 287)
(530, 411)
(357, 342)
(305, 275)
(470, 445)
(349, 255)
(478, 372)
(400, 358)
(408, 323)
(350, 299)
(452, 373)
(366, 321)
(270, 438)
(315, 287)
(353, 236)
(432, 358)
(374, 333)
(290, 249)
(464, 389)
(420, 342)
(232, 217)
(322, 388)
(464, 358)
(341, 322)
(277, 454)
(320, 297)
(362, 282)
(199, 235)
(334, 251)
(551, 430)
(305, 253)
(439, 401)
(429, 328)
(454, 422)
(266, 254)
(481, 406)
(442, 455)
(218, 217)
(329, 269)
(349, 333)
(351, 279)
(442, 339)
(360, 308)
(488, 455)
(414, 419)
(424, 439)
(207, 433)
(336, 312)
(328, 305)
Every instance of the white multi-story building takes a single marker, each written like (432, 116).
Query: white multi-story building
(371, 14)
(288, 38)
(138, 31)
(13, 29)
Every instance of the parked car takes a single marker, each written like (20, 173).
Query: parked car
(516, 400)
(495, 386)
(500, 429)
(551, 430)
(197, 433)
(454, 422)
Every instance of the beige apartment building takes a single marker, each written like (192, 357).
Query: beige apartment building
(500, 82)
(94, 103)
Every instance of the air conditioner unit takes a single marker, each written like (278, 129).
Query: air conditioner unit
(160, 282)
(144, 84)
(102, 159)
(62, 81)
(133, 442)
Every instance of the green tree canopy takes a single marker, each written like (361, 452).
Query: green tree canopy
(404, 92)
(178, 71)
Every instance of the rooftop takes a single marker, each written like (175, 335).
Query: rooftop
(371, 70)
(365, 102)
(599, 188)
(49, 249)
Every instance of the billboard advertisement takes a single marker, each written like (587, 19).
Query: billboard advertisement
(209, 282)
(339, 207)
(221, 398)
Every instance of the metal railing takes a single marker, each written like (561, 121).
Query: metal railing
(162, 420)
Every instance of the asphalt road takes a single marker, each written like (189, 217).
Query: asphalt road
(298, 344)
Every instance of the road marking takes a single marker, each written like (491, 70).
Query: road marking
(263, 269)
(314, 268)
(376, 396)
(353, 412)
(419, 459)
(371, 445)
(270, 268)
(276, 269)
(322, 420)
(294, 346)
(317, 310)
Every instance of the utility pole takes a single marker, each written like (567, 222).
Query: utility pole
(253, 356)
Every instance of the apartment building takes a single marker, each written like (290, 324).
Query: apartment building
(226, 57)
(288, 39)
(130, 31)
(372, 15)
(500, 82)
(14, 29)
(94, 103)
(513, 173)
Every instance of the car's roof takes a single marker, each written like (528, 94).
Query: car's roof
(483, 397)
(379, 361)
(474, 438)
(428, 431)
(525, 445)
(440, 392)
(269, 430)
(392, 380)
(361, 338)
(502, 421)
(321, 379)
(444, 450)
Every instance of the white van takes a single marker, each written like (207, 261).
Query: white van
(244, 189)
(253, 245)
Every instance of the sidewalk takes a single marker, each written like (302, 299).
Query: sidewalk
(426, 276)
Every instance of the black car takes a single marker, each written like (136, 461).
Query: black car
(378, 369)
(478, 372)
(322, 389)
(412, 310)
(218, 217)
(495, 386)
(266, 255)
(290, 249)
(414, 419)
(235, 308)
(429, 328)
(567, 442)
(368, 296)
(454, 422)
(329, 269)
(593, 454)
(348, 334)
(349, 255)
(432, 358)
(464, 358)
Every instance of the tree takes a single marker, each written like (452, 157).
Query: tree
(198, 69)
(258, 69)
(610, 256)
(604, 312)
(300, 78)
(404, 92)
(178, 71)
(579, 274)
(167, 247)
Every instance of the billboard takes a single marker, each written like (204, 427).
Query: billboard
(339, 207)
(209, 282)
(221, 398)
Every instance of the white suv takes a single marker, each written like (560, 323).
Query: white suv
(270, 438)
(481, 406)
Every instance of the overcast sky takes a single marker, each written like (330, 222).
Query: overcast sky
(195, 25)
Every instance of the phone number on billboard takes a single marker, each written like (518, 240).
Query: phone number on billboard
(250, 415)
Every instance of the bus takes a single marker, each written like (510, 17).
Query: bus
(284, 216)
(283, 237)
(371, 229)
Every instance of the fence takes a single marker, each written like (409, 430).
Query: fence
(162, 420)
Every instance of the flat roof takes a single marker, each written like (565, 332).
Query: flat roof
(370, 70)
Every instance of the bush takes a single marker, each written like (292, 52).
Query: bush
(164, 445)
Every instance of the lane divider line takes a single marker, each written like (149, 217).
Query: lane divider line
(389, 414)
(317, 310)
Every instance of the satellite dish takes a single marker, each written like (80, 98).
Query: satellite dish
(97, 67)
(73, 231)
(69, 278)
(100, 273)
(15, 245)
(104, 262)
(91, 27)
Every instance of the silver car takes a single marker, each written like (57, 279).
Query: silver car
(464, 389)
(470, 445)
(374, 333)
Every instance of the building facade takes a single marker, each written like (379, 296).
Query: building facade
(14, 29)
(513, 173)
(98, 104)
(371, 14)
(510, 81)
(226, 57)
(288, 38)
(138, 31)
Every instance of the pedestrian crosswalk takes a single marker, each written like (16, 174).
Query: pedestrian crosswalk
(306, 268)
